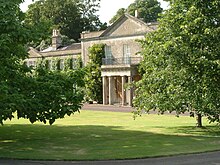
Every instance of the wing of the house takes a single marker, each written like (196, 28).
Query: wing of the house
(33, 57)
(56, 54)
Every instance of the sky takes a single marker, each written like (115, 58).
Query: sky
(108, 8)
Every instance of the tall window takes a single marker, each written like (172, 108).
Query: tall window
(108, 55)
(108, 51)
(74, 63)
(49, 64)
(61, 64)
(126, 54)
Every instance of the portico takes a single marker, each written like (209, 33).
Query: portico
(115, 84)
(115, 92)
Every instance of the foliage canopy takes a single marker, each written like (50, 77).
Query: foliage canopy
(52, 94)
(181, 63)
(148, 10)
(70, 16)
(13, 35)
(38, 95)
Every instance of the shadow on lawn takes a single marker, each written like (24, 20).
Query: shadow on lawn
(209, 131)
(95, 142)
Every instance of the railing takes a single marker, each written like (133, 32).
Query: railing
(121, 61)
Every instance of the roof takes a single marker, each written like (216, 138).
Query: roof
(73, 49)
(121, 19)
(145, 27)
(33, 53)
(74, 46)
(87, 34)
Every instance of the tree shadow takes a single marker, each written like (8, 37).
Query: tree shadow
(208, 131)
(96, 142)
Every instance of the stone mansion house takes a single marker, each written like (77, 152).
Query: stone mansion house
(121, 55)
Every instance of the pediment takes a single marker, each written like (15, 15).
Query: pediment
(33, 53)
(127, 25)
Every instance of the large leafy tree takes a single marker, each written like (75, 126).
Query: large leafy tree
(93, 77)
(181, 66)
(40, 25)
(13, 35)
(70, 16)
(148, 10)
(42, 95)
(49, 95)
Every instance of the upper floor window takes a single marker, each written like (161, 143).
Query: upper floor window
(108, 51)
(126, 54)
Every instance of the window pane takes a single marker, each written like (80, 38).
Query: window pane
(74, 63)
(126, 54)
(61, 64)
(108, 51)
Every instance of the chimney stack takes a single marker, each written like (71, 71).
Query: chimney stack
(56, 39)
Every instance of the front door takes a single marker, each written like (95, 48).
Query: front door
(118, 89)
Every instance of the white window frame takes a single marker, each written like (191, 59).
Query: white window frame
(61, 64)
(108, 51)
(126, 53)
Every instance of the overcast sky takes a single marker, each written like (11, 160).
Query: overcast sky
(108, 7)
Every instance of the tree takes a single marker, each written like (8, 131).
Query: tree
(39, 95)
(148, 10)
(119, 13)
(70, 16)
(52, 94)
(39, 25)
(182, 62)
(93, 78)
(13, 35)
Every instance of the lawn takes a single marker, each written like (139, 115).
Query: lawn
(92, 135)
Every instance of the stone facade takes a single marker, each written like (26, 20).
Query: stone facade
(122, 55)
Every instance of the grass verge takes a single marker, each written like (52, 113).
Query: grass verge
(93, 135)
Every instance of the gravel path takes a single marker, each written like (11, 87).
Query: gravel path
(211, 158)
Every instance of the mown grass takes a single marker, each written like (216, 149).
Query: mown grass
(93, 135)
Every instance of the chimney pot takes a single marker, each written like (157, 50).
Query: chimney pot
(56, 39)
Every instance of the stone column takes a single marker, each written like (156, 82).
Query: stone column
(110, 90)
(104, 89)
(130, 95)
(123, 90)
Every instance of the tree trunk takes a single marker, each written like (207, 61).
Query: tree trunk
(199, 120)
